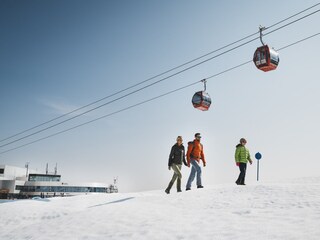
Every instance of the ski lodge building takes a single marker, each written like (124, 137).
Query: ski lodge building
(17, 182)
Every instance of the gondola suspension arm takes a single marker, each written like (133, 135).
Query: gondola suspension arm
(261, 28)
(205, 84)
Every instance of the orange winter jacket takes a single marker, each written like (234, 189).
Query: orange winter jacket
(195, 151)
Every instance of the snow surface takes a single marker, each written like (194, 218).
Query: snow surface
(287, 210)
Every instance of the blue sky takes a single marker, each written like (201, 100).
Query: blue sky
(59, 55)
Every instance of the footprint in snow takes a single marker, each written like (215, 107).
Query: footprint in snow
(244, 212)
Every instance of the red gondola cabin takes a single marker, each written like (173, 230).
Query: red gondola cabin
(201, 100)
(266, 59)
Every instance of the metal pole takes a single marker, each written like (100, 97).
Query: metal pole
(258, 157)
(258, 170)
(27, 167)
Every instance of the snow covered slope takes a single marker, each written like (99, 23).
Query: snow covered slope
(288, 210)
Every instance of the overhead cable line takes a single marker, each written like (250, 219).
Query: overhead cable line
(302, 40)
(126, 95)
(292, 22)
(154, 77)
(154, 83)
(151, 99)
(294, 15)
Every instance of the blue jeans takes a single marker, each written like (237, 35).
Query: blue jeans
(195, 169)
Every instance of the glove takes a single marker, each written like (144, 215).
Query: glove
(250, 161)
(238, 164)
(169, 168)
(185, 163)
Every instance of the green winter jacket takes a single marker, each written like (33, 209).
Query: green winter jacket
(242, 154)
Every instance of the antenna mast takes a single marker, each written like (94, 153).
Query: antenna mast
(27, 167)
(56, 169)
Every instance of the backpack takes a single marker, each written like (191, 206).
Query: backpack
(192, 143)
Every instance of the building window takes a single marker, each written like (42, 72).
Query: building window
(44, 178)
(61, 189)
(1, 170)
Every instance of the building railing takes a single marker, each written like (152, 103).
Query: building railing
(62, 189)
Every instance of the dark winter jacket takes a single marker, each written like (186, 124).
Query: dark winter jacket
(177, 155)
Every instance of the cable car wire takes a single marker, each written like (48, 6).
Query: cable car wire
(153, 77)
(152, 99)
(154, 83)
(292, 22)
(126, 95)
(302, 40)
(294, 15)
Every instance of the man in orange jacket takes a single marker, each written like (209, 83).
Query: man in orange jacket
(194, 155)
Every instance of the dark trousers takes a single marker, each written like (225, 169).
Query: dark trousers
(242, 175)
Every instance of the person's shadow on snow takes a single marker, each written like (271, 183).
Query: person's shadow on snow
(117, 201)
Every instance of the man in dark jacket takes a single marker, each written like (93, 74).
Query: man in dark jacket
(176, 157)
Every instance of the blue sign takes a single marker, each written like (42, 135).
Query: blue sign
(258, 156)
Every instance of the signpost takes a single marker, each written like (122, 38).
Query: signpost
(258, 157)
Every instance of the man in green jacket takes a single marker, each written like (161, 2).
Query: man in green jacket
(242, 156)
